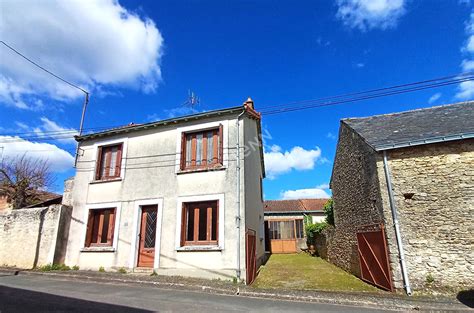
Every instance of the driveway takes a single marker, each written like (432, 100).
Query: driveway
(45, 294)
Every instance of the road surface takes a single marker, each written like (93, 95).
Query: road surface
(24, 293)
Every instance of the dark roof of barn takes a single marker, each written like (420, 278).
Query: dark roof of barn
(297, 205)
(416, 127)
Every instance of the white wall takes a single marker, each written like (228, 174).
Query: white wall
(150, 162)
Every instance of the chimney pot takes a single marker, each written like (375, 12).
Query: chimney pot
(249, 103)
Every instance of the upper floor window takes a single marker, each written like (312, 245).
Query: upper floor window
(109, 161)
(202, 149)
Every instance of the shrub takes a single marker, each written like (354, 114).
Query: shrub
(429, 278)
(54, 267)
(122, 270)
(75, 267)
(101, 269)
(329, 211)
(314, 229)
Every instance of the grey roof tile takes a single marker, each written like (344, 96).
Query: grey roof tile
(422, 126)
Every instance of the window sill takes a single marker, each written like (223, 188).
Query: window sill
(198, 170)
(198, 248)
(98, 249)
(106, 180)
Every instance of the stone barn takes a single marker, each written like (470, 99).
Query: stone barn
(403, 188)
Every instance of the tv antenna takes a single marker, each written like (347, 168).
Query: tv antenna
(192, 99)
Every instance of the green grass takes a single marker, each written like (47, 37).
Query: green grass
(304, 272)
(54, 267)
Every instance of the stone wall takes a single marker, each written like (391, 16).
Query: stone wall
(356, 194)
(434, 192)
(323, 242)
(29, 237)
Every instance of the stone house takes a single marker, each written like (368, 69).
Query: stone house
(284, 223)
(408, 177)
(179, 196)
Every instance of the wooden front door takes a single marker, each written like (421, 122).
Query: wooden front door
(147, 236)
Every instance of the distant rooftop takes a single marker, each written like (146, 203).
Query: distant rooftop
(416, 127)
(297, 205)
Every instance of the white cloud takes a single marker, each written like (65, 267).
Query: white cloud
(434, 97)
(96, 44)
(181, 111)
(370, 14)
(360, 65)
(466, 89)
(49, 129)
(59, 159)
(321, 191)
(278, 162)
(331, 136)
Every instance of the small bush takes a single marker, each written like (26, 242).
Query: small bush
(75, 267)
(122, 270)
(429, 278)
(54, 267)
(234, 280)
(314, 229)
(329, 211)
(101, 269)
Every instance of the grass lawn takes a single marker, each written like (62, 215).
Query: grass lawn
(303, 272)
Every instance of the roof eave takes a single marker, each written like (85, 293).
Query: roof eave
(426, 141)
(176, 120)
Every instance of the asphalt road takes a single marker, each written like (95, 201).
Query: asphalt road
(43, 294)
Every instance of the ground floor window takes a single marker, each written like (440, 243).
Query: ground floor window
(200, 223)
(100, 227)
(286, 229)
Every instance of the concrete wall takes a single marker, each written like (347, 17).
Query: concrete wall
(437, 223)
(150, 172)
(253, 176)
(356, 194)
(33, 237)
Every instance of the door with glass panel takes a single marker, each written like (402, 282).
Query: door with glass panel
(147, 236)
(283, 235)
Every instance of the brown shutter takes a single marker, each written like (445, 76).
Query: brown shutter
(110, 234)
(118, 164)
(183, 224)
(183, 151)
(98, 162)
(221, 145)
(90, 222)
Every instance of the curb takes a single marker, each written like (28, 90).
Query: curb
(366, 301)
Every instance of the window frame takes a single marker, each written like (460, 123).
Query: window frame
(219, 158)
(118, 162)
(208, 242)
(90, 227)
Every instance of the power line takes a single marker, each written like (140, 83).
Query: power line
(41, 67)
(457, 76)
(322, 103)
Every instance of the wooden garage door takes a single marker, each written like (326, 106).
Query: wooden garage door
(283, 235)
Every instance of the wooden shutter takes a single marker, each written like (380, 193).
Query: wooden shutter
(183, 151)
(221, 145)
(183, 224)
(110, 234)
(90, 225)
(118, 164)
(98, 162)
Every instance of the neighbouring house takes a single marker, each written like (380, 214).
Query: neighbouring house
(43, 199)
(284, 223)
(403, 190)
(179, 196)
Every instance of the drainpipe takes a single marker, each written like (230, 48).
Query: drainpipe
(393, 208)
(237, 217)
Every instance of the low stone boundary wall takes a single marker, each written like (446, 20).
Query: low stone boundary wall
(322, 242)
(34, 237)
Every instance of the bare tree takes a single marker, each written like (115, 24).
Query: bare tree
(23, 180)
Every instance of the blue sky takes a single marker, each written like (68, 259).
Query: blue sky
(139, 59)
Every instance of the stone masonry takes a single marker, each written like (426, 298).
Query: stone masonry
(433, 187)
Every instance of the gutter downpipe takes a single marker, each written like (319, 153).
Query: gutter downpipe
(237, 217)
(393, 208)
